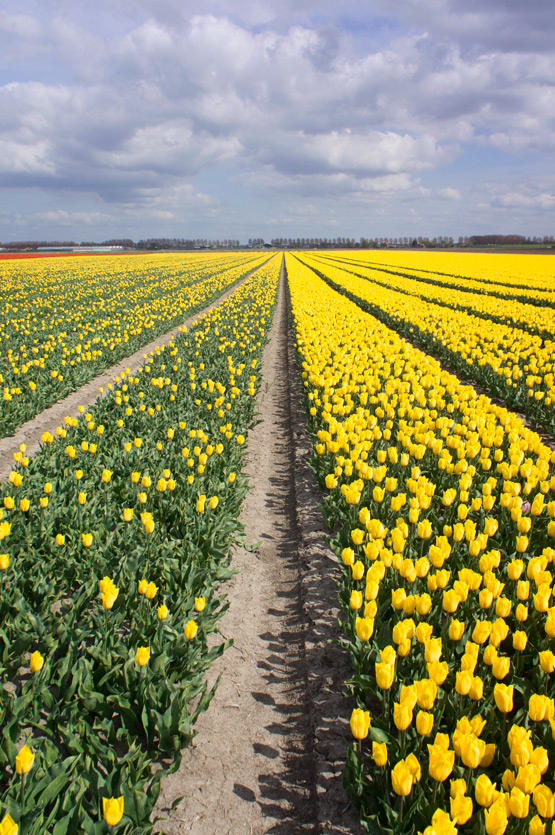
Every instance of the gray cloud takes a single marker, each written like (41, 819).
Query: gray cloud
(140, 99)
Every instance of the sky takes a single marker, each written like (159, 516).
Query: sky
(282, 118)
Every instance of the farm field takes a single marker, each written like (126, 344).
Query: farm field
(391, 628)
(64, 320)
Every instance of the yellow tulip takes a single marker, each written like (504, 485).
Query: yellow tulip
(496, 818)
(356, 599)
(360, 723)
(536, 826)
(379, 753)
(484, 790)
(36, 662)
(401, 779)
(461, 809)
(402, 716)
(441, 762)
(348, 556)
(519, 803)
(24, 760)
(547, 661)
(503, 695)
(8, 826)
(424, 722)
(151, 591)
(544, 801)
(364, 628)
(191, 629)
(385, 674)
(112, 809)
(142, 656)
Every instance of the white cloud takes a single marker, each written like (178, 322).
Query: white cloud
(129, 101)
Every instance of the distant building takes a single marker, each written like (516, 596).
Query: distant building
(80, 248)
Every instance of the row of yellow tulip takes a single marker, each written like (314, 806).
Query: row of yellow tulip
(116, 537)
(509, 274)
(62, 321)
(509, 362)
(442, 507)
(499, 306)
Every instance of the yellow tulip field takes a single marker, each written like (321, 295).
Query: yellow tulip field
(439, 499)
(116, 539)
(503, 342)
(62, 321)
(441, 506)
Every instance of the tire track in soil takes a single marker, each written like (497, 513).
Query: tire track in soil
(30, 433)
(269, 752)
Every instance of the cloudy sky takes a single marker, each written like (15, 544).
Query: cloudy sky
(295, 118)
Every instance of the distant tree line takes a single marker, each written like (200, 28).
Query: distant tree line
(187, 243)
(295, 243)
(508, 240)
(313, 243)
(35, 244)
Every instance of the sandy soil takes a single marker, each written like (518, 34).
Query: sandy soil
(269, 752)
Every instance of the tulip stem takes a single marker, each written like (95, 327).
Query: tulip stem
(23, 792)
(105, 640)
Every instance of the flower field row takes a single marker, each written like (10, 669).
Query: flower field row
(442, 511)
(528, 314)
(63, 321)
(116, 537)
(519, 276)
(509, 362)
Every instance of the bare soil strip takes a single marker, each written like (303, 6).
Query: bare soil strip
(269, 751)
(30, 432)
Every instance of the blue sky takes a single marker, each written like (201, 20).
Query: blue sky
(294, 119)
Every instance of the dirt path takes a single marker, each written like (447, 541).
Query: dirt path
(269, 751)
(30, 432)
